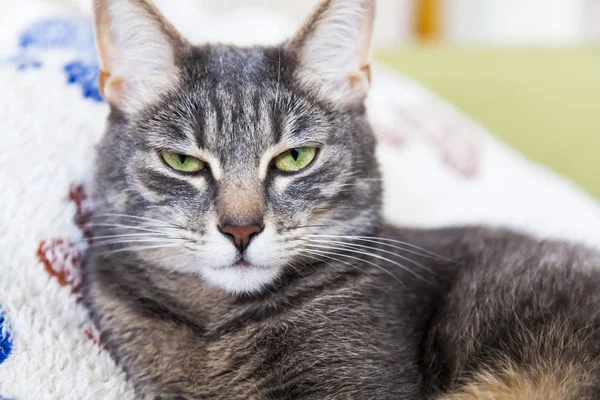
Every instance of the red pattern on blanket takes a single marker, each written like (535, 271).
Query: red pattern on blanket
(63, 259)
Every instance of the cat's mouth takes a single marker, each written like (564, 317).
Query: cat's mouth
(242, 264)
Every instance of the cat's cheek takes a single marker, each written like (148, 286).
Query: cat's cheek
(217, 253)
(267, 250)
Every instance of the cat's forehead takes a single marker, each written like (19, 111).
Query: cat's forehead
(245, 66)
(236, 123)
(236, 103)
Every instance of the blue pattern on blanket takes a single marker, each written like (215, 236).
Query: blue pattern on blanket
(85, 74)
(66, 34)
(23, 62)
(5, 342)
(63, 33)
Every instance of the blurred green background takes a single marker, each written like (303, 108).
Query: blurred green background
(544, 102)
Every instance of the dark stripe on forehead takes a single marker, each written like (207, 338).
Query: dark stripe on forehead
(159, 128)
(215, 105)
(279, 111)
(276, 125)
(255, 103)
(301, 123)
(198, 122)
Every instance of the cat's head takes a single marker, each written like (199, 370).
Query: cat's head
(229, 162)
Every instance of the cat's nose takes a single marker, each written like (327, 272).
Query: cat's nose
(240, 235)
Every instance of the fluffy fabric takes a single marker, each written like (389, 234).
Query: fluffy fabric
(439, 168)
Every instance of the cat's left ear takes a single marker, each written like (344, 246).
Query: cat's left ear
(333, 49)
(138, 51)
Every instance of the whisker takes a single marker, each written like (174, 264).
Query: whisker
(116, 239)
(278, 78)
(138, 228)
(114, 242)
(377, 239)
(306, 251)
(322, 252)
(310, 226)
(148, 234)
(140, 248)
(330, 225)
(133, 217)
(291, 265)
(402, 266)
(160, 207)
(373, 239)
(182, 253)
(354, 245)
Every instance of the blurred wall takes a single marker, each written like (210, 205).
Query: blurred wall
(553, 22)
(538, 22)
(393, 25)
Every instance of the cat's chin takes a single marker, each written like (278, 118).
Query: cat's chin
(241, 278)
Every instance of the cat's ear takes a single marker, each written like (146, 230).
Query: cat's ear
(333, 49)
(138, 51)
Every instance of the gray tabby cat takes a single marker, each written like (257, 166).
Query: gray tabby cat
(239, 251)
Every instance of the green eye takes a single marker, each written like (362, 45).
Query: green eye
(295, 159)
(183, 163)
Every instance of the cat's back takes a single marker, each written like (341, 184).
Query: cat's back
(520, 317)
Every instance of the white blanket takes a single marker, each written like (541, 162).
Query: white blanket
(439, 168)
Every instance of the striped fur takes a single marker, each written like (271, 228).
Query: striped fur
(525, 326)
(538, 382)
(329, 303)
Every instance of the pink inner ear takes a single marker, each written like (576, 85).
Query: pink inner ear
(366, 71)
(102, 80)
(360, 81)
(112, 88)
(105, 45)
(136, 47)
(104, 39)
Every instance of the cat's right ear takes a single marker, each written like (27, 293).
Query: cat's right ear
(333, 49)
(138, 50)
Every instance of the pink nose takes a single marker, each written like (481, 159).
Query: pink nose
(241, 235)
